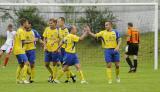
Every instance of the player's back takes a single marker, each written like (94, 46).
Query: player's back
(70, 42)
(17, 47)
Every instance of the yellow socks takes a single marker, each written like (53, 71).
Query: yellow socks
(18, 73)
(32, 73)
(109, 73)
(68, 74)
(80, 73)
(24, 73)
(117, 72)
(61, 73)
(55, 69)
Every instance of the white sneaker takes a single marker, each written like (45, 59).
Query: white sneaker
(26, 82)
(109, 81)
(56, 81)
(3, 66)
(84, 82)
(118, 80)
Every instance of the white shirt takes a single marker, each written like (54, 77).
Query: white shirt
(10, 37)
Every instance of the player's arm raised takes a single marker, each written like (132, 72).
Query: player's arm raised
(89, 32)
(84, 34)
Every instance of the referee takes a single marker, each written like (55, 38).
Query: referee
(132, 47)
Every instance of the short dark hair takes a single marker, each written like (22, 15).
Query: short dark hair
(22, 21)
(30, 22)
(10, 25)
(62, 18)
(110, 22)
(130, 24)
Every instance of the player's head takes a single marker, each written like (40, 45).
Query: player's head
(24, 22)
(29, 26)
(73, 29)
(108, 25)
(61, 21)
(52, 23)
(130, 25)
(10, 27)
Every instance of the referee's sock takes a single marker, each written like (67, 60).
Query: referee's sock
(129, 62)
(135, 64)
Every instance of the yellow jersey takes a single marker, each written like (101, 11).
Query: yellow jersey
(70, 41)
(63, 33)
(109, 38)
(52, 36)
(17, 47)
(29, 37)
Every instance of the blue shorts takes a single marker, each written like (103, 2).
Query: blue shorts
(111, 55)
(62, 54)
(51, 57)
(71, 59)
(31, 54)
(22, 58)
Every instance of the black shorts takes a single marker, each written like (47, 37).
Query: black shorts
(132, 49)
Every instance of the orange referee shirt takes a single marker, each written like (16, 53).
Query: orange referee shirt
(133, 34)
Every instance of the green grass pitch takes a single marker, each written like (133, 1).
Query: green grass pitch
(93, 66)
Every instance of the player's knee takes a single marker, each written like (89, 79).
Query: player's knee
(47, 65)
(27, 63)
(55, 63)
(21, 65)
(127, 58)
(32, 66)
(78, 67)
(7, 56)
(109, 65)
(117, 66)
(135, 57)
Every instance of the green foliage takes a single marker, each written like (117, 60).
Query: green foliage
(69, 13)
(32, 14)
(96, 18)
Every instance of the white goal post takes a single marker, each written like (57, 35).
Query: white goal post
(104, 4)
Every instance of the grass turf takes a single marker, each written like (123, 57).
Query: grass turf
(93, 66)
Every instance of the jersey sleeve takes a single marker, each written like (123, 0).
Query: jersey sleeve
(45, 33)
(117, 35)
(75, 38)
(37, 35)
(99, 34)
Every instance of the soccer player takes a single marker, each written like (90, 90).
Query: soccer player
(63, 32)
(71, 57)
(8, 45)
(132, 47)
(34, 36)
(19, 51)
(51, 41)
(110, 42)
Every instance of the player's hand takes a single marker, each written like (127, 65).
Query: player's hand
(36, 39)
(44, 48)
(57, 51)
(116, 49)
